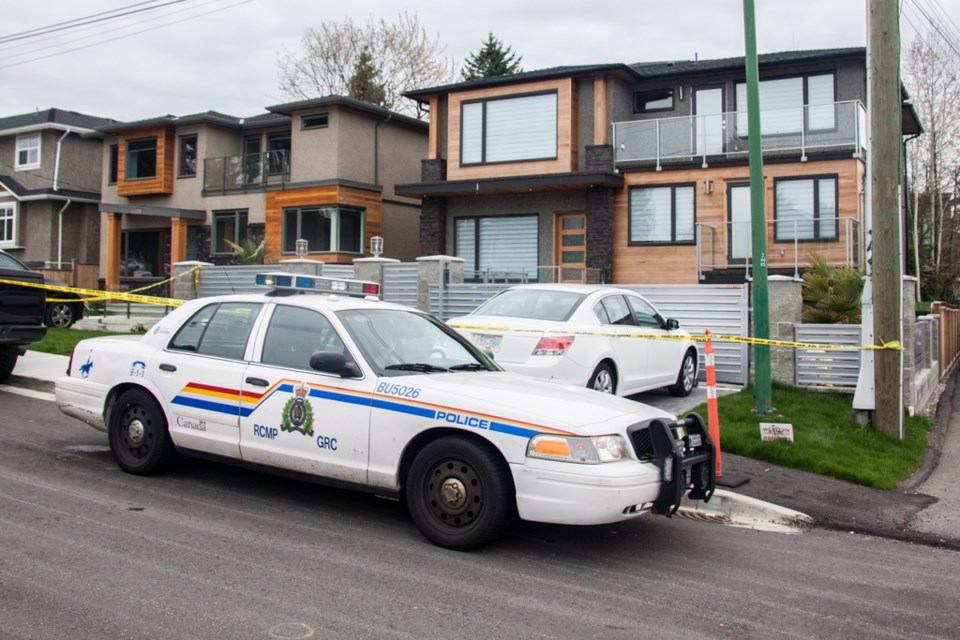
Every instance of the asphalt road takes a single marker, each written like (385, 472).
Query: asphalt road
(211, 551)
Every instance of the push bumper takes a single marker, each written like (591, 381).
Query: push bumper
(686, 457)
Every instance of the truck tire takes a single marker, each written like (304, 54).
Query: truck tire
(8, 360)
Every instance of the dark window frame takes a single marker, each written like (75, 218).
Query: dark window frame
(128, 164)
(241, 230)
(113, 167)
(306, 126)
(476, 238)
(816, 207)
(334, 237)
(805, 105)
(642, 97)
(673, 216)
(180, 155)
(483, 128)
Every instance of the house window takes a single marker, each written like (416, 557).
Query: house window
(141, 159)
(188, 156)
(315, 121)
(8, 224)
(228, 225)
(656, 100)
(805, 208)
(28, 151)
(509, 129)
(790, 104)
(114, 163)
(662, 215)
(325, 228)
(501, 247)
(278, 152)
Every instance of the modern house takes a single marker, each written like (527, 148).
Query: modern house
(639, 173)
(50, 187)
(322, 170)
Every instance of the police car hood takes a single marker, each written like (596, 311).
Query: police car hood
(513, 397)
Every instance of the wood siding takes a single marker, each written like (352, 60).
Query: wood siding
(162, 183)
(669, 264)
(277, 201)
(567, 135)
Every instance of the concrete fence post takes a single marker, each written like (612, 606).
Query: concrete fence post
(430, 272)
(185, 287)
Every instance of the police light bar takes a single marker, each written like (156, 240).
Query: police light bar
(318, 284)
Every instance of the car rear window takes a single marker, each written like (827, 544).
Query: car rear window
(538, 304)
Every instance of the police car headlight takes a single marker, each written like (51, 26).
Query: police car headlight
(583, 450)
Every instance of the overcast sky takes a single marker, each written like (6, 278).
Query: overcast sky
(226, 60)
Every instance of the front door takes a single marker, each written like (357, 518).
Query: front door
(738, 215)
(570, 248)
(708, 121)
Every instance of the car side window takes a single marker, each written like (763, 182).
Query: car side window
(294, 334)
(617, 310)
(644, 314)
(218, 330)
(601, 313)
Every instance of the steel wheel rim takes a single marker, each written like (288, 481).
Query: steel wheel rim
(453, 493)
(136, 435)
(603, 382)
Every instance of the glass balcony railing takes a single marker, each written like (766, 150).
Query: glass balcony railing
(838, 127)
(230, 173)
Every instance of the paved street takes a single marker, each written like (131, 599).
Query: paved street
(210, 551)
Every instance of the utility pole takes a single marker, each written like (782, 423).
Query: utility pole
(885, 146)
(758, 220)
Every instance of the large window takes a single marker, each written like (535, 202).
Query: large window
(188, 156)
(141, 159)
(278, 152)
(325, 228)
(509, 129)
(228, 225)
(805, 208)
(500, 247)
(28, 151)
(662, 215)
(114, 164)
(655, 100)
(791, 105)
(8, 224)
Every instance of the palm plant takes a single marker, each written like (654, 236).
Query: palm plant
(248, 251)
(831, 295)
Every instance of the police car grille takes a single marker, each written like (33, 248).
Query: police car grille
(642, 444)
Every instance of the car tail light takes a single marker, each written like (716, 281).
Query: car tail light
(553, 346)
(70, 363)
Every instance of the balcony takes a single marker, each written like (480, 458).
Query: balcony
(836, 128)
(243, 172)
(727, 248)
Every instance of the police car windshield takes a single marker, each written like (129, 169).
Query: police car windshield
(398, 343)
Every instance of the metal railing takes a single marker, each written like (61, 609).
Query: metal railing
(231, 173)
(729, 245)
(525, 275)
(838, 126)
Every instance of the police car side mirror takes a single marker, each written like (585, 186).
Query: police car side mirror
(334, 362)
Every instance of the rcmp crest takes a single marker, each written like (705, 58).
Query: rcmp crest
(298, 413)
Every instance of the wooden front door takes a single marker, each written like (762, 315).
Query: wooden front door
(570, 248)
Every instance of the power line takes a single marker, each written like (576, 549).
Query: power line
(79, 22)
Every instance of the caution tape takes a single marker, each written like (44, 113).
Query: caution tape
(105, 295)
(893, 345)
(99, 295)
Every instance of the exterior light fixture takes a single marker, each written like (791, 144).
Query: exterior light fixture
(301, 248)
(376, 246)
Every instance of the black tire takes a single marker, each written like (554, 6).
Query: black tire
(139, 440)
(687, 378)
(60, 315)
(603, 379)
(8, 360)
(459, 493)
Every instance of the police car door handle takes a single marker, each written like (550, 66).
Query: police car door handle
(258, 382)
(167, 367)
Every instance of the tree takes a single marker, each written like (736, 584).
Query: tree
(491, 60)
(364, 84)
(402, 52)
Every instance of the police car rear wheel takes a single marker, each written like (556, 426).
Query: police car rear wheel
(458, 493)
(139, 440)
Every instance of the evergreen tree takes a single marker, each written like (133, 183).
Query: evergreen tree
(492, 60)
(363, 84)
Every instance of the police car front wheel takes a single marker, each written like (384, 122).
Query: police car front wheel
(459, 493)
(139, 440)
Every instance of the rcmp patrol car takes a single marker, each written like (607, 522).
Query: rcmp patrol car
(319, 378)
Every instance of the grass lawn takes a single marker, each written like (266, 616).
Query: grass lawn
(61, 341)
(825, 442)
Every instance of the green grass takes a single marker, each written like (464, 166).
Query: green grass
(825, 441)
(61, 341)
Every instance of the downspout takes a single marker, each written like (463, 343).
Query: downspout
(56, 187)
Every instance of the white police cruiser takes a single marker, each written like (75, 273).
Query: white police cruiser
(342, 388)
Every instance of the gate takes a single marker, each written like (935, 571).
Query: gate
(401, 283)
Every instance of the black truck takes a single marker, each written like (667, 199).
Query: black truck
(21, 312)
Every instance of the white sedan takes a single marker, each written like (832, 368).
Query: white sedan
(584, 335)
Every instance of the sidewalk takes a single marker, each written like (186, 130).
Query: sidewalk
(924, 509)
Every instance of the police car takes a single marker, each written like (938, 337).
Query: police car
(318, 377)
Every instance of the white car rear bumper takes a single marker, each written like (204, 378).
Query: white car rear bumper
(81, 399)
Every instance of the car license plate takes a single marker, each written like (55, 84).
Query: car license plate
(488, 342)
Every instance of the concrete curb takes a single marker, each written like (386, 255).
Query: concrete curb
(744, 511)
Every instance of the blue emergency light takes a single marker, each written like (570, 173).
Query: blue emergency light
(318, 284)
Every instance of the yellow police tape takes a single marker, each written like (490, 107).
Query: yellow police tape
(894, 345)
(99, 295)
(106, 295)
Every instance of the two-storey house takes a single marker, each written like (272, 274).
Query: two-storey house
(322, 170)
(50, 187)
(639, 173)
